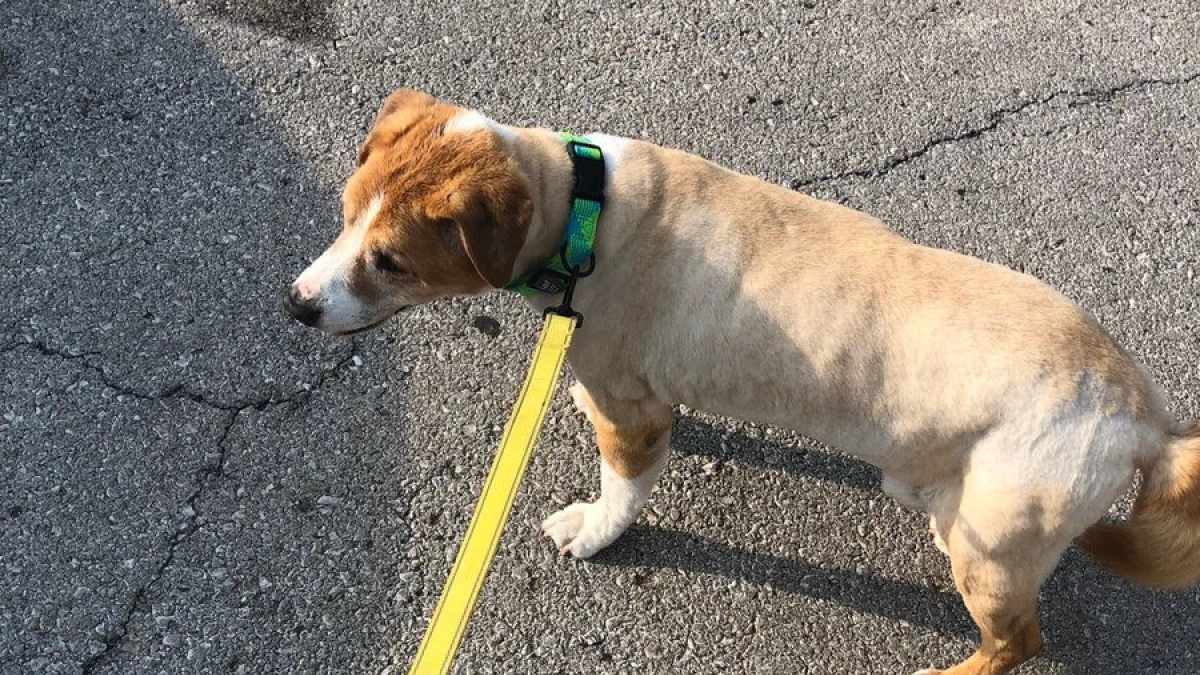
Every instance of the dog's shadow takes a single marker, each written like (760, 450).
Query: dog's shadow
(695, 436)
(1094, 622)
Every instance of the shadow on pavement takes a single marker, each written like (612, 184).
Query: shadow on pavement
(156, 215)
(151, 215)
(1098, 623)
(1121, 632)
(300, 20)
(694, 436)
(897, 600)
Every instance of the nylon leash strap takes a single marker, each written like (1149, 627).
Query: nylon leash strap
(454, 608)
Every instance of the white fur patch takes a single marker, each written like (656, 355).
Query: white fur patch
(473, 120)
(581, 530)
(613, 148)
(332, 264)
(325, 279)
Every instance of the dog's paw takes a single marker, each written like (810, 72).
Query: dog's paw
(928, 671)
(583, 403)
(577, 530)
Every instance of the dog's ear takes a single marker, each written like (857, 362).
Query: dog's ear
(402, 99)
(399, 100)
(492, 218)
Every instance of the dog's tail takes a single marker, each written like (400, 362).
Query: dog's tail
(1160, 545)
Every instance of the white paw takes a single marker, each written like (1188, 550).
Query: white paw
(578, 530)
(928, 671)
(582, 402)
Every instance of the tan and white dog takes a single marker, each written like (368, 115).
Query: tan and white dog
(985, 397)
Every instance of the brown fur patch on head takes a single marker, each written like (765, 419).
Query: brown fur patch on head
(407, 103)
(455, 208)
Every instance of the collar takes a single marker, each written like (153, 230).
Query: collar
(560, 273)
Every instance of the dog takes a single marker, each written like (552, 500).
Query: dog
(986, 398)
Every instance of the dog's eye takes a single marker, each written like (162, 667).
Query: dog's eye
(386, 262)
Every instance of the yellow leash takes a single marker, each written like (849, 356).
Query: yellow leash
(454, 608)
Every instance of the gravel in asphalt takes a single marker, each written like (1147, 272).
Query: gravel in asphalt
(191, 483)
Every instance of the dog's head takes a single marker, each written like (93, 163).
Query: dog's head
(437, 207)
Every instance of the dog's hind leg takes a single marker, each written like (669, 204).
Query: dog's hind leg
(1000, 556)
(1026, 491)
(633, 437)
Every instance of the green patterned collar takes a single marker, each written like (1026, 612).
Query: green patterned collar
(575, 258)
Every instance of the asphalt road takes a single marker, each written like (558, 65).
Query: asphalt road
(189, 483)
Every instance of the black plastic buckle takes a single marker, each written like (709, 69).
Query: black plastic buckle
(548, 281)
(564, 308)
(589, 172)
(574, 274)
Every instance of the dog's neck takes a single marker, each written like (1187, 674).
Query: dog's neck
(546, 168)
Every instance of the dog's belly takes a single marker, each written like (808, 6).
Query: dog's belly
(851, 426)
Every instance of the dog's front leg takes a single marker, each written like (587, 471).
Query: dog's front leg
(633, 438)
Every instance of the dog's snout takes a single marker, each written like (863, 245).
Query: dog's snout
(305, 311)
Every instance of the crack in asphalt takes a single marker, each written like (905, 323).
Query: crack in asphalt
(205, 476)
(136, 606)
(202, 477)
(179, 390)
(992, 122)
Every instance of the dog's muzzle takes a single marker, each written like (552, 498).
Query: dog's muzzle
(306, 312)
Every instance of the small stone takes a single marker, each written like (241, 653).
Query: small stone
(326, 500)
(171, 640)
(486, 325)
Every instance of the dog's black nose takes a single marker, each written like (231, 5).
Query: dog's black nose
(304, 311)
